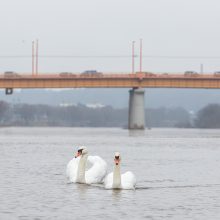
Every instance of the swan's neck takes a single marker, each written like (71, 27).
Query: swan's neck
(116, 177)
(82, 169)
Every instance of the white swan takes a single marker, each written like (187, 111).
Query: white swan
(76, 168)
(115, 180)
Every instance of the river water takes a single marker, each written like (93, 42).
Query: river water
(177, 170)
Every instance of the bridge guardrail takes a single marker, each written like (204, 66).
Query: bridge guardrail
(142, 75)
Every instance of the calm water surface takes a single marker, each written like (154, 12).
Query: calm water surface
(178, 174)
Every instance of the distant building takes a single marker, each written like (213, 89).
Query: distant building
(95, 105)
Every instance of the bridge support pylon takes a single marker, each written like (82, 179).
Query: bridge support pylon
(136, 116)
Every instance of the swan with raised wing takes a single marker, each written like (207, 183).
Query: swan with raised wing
(77, 171)
(116, 180)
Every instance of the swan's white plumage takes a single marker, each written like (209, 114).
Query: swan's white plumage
(115, 180)
(128, 181)
(71, 170)
(95, 174)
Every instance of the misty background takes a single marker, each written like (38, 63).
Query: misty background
(79, 35)
(191, 100)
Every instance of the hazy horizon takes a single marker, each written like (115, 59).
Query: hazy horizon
(190, 99)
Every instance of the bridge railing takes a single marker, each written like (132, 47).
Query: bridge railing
(72, 75)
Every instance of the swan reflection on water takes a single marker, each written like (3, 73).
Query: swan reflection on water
(81, 191)
(82, 188)
(116, 194)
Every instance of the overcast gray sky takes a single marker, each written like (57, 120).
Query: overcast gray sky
(107, 27)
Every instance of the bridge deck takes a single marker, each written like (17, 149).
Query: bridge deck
(207, 81)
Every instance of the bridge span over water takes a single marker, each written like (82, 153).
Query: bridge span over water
(110, 80)
(136, 82)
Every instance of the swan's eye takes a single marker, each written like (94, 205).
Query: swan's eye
(80, 151)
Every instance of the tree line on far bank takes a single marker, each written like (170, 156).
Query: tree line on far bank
(83, 116)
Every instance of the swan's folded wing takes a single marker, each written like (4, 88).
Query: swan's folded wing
(128, 180)
(98, 170)
(108, 181)
(71, 169)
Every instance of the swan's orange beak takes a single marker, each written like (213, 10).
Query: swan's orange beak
(117, 160)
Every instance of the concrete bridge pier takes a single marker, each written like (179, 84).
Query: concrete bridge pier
(136, 116)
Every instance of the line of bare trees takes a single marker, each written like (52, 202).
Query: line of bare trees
(82, 116)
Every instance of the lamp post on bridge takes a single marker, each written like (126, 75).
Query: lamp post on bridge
(133, 57)
(140, 55)
(33, 55)
(35, 58)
